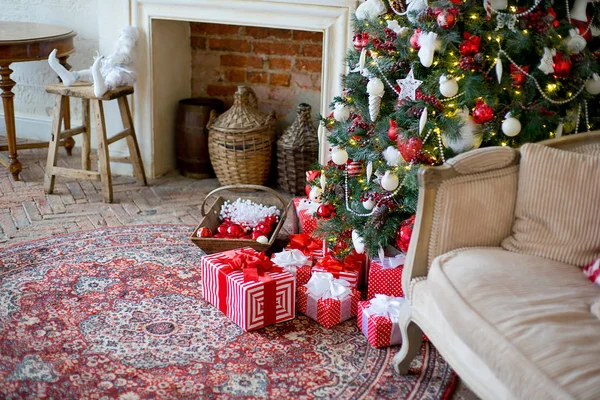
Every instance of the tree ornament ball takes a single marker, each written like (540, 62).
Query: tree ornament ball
(222, 229)
(369, 204)
(446, 19)
(414, 39)
(404, 234)
(448, 86)
(410, 148)
(393, 130)
(262, 240)
(316, 194)
(204, 232)
(360, 41)
(235, 230)
(562, 66)
(375, 87)
(592, 85)
(339, 156)
(482, 113)
(256, 234)
(263, 228)
(324, 211)
(511, 126)
(389, 181)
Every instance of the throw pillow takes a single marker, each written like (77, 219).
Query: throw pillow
(557, 212)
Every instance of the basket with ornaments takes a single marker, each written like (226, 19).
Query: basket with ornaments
(234, 223)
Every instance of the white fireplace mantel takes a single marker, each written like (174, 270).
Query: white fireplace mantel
(164, 56)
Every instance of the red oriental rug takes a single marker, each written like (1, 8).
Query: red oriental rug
(118, 313)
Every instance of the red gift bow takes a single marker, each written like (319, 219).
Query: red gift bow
(305, 243)
(254, 265)
(335, 266)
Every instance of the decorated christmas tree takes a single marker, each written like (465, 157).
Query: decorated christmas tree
(429, 81)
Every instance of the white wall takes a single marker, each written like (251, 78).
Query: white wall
(33, 106)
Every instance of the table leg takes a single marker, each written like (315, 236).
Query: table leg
(6, 84)
(69, 142)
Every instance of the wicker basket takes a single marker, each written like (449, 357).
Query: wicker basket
(210, 220)
(240, 141)
(297, 151)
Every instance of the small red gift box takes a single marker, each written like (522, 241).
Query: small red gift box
(247, 287)
(350, 269)
(296, 263)
(305, 210)
(307, 244)
(327, 307)
(386, 278)
(378, 320)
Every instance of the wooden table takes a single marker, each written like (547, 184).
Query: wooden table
(25, 41)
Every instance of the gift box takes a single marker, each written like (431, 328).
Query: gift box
(327, 300)
(350, 269)
(305, 210)
(307, 244)
(247, 287)
(378, 320)
(296, 263)
(592, 271)
(386, 277)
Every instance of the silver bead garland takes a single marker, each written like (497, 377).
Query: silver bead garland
(389, 196)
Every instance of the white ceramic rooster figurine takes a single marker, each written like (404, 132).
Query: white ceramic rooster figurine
(107, 72)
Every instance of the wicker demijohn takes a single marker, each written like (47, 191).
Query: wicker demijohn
(297, 151)
(240, 141)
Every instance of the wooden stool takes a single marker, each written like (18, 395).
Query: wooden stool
(85, 91)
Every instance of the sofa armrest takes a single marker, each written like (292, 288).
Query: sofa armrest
(467, 202)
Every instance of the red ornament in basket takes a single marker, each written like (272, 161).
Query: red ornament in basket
(247, 287)
(378, 320)
(244, 219)
(327, 300)
(349, 269)
(385, 277)
(308, 245)
(296, 263)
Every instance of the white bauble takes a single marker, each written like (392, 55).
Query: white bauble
(592, 86)
(369, 204)
(448, 86)
(262, 239)
(470, 137)
(358, 242)
(339, 156)
(341, 112)
(389, 181)
(315, 194)
(375, 87)
(511, 126)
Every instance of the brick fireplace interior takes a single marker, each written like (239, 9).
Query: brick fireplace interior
(282, 66)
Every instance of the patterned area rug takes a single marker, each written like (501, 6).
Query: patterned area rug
(117, 313)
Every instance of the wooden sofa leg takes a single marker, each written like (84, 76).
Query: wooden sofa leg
(412, 338)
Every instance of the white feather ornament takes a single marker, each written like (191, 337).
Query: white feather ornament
(392, 156)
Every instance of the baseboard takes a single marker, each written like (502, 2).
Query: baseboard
(39, 127)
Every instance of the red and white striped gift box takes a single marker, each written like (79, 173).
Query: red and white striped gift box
(592, 271)
(327, 312)
(379, 330)
(244, 302)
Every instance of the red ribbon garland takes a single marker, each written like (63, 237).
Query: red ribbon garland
(254, 265)
(305, 243)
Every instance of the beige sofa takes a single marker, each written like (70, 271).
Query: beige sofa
(512, 325)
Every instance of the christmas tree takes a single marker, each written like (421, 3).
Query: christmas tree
(429, 81)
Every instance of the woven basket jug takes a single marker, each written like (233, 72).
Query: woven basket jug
(297, 151)
(240, 141)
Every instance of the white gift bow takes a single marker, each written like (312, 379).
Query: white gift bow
(324, 285)
(290, 260)
(310, 206)
(392, 262)
(387, 306)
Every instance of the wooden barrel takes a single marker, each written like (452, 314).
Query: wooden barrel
(192, 136)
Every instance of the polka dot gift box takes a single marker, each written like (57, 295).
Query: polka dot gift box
(327, 300)
(378, 319)
(386, 277)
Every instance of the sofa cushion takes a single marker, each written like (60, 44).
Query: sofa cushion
(556, 214)
(529, 318)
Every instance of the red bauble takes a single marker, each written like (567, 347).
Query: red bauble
(204, 232)
(256, 234)
(360, 40)
(414, 39)
(409, 148)
(222, 229)
(235, 231)
(271, 220)
(404, 234)
(354, 168)
(393, 130)
(562, 65)
(518, 78)
(482, 113)
(469, 46)
(446, 19)
(326, 211)
(263, 228)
